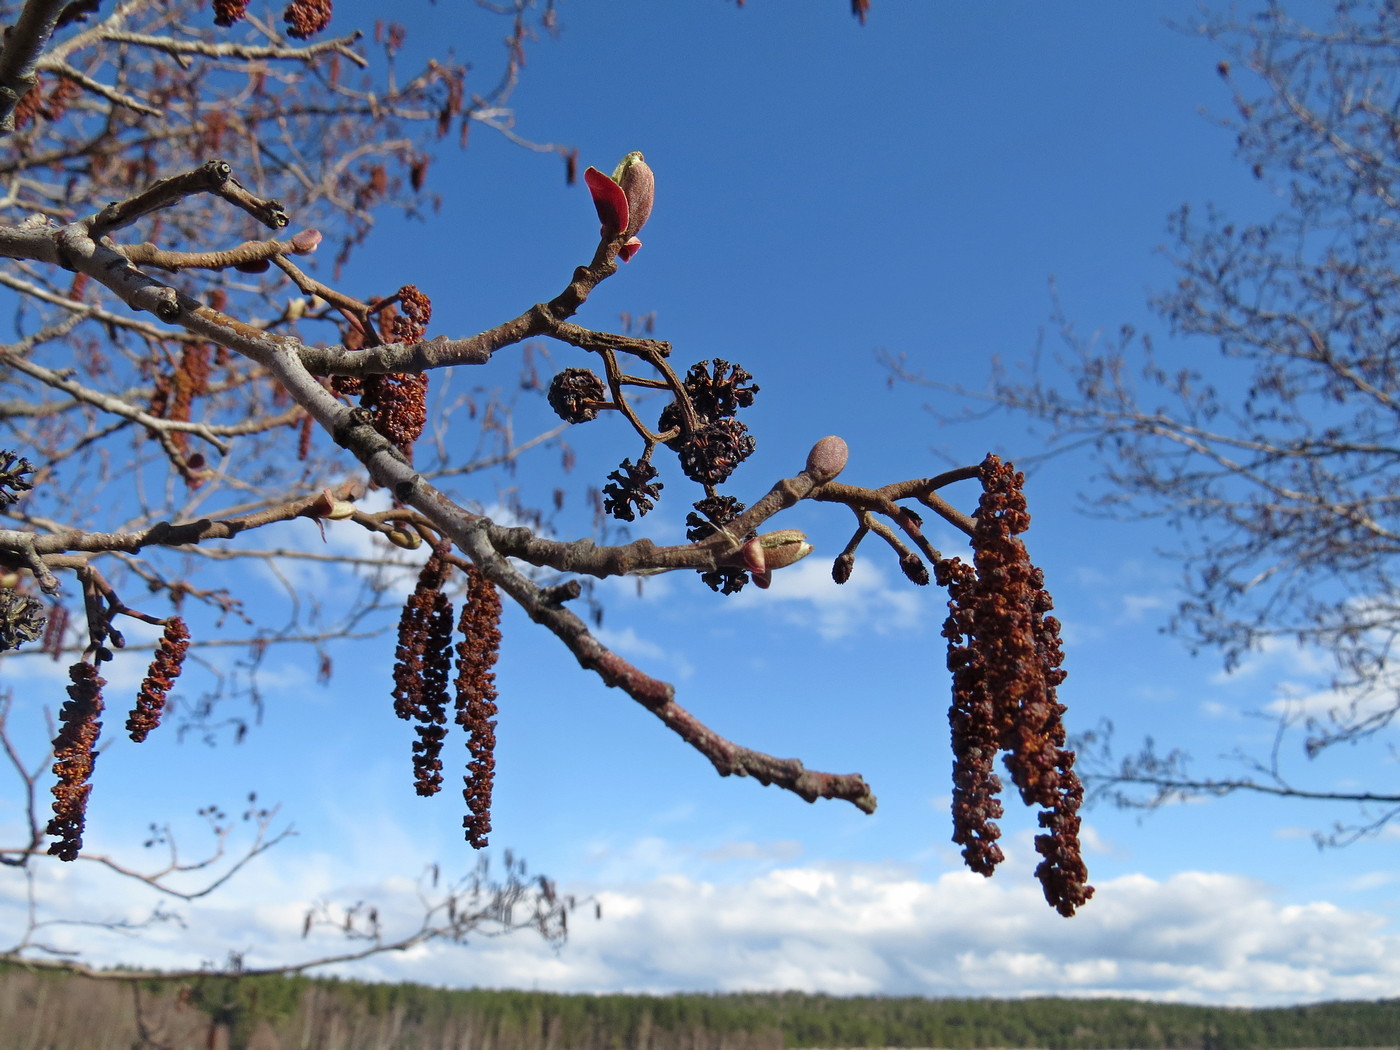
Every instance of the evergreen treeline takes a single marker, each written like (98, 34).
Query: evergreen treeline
(55, 1012)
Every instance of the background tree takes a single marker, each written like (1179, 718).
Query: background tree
(169, 397)
(1277, 460)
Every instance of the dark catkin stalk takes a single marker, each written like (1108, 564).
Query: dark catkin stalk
(420, 668)
(432, 727)
(476, 700)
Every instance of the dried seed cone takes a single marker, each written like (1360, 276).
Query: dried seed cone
(574, 392)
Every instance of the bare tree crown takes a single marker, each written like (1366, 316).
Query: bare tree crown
(184, 377)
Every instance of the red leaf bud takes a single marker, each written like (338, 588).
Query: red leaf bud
(610, 201)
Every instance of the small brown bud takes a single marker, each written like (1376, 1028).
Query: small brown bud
(409, 541)
(913, 566)
(842, 566)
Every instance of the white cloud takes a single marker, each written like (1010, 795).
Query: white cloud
(806, 594)
(782, 850)
(1137, 606)
(627, 642)
(1197, 937)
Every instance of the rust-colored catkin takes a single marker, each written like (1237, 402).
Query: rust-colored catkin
(74, 757)
(1062, 874)
(476, 700)
(1005, 612)
(1005, 655)
(31, 104)
(420, 668)
(59, 99)
(306, 429)
(191, 380)
(164, 669)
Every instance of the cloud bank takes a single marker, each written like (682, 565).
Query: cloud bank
(844, 929)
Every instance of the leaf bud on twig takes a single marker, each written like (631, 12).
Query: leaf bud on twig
(623, 200)
(842, 567)
(827, 458)
(306, 241)
(779, 549)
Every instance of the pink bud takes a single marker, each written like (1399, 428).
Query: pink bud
(306, 241)
(639, 184)
(629, 249)
(827, 458)
(751, 554)
(610, 200)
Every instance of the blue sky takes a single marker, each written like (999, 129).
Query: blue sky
(826, 192)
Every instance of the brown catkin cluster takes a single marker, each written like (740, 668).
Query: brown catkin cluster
(411, 325)
(976, 721)
(174, 392)
(422, 662)
(306, 430)
(306, 18)
(74, 757)
(1004, 653)
(164, 669)
(227, 12)
(34, 103)
(30, 105)
(476, 700)
(398, 406)
(398, 401)
(421, 670)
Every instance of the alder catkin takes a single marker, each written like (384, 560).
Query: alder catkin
(74, 758)
(476, 700)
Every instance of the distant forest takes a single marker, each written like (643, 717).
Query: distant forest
(47, 1011)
